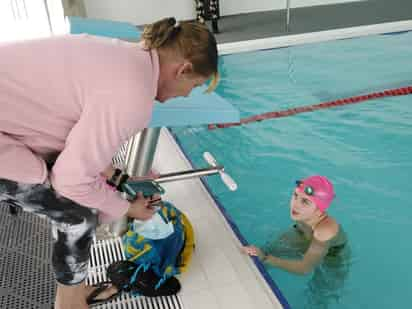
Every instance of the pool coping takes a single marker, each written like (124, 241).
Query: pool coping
(313, 37)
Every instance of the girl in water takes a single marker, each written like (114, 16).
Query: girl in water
(315, 236)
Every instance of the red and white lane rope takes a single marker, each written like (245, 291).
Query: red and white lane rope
(311, 108)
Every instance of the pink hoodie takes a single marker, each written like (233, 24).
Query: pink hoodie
(77, 95)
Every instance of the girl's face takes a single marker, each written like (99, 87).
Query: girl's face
(301, 207)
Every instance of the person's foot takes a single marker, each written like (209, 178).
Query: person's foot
(71, 297)
(101, 293)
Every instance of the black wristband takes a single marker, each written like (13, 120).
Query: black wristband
(113, 180)
(122, 180)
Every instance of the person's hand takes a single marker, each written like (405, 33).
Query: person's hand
(252, 251)
(141, 208)
(154, 173)
(155, 200)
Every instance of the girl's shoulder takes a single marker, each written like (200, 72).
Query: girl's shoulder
(326, 230)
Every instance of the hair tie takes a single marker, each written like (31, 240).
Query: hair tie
(172, 21)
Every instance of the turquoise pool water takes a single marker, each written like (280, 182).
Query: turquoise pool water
(366, 150)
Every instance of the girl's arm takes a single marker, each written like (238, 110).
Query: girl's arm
(313, 256)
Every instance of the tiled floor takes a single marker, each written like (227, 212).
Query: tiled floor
(220, 277)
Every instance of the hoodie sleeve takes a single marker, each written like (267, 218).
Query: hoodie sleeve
(108, 119)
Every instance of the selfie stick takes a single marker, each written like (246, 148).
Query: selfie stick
(214, 168)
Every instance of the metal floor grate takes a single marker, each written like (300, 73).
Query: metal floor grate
(26, 275)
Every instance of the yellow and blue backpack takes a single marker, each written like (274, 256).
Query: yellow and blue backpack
(165, 257)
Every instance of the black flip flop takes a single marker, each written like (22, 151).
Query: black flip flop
(146, 282)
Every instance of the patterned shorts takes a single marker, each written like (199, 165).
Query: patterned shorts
(73, 225)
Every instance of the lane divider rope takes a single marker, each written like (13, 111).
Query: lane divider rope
(311, 108)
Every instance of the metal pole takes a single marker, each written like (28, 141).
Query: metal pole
(189, 174)
(139, 159)
(287, 15)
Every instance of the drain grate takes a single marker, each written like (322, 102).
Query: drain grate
(26, 275)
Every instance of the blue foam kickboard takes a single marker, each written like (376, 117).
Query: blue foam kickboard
(198, 108)
(101, 27)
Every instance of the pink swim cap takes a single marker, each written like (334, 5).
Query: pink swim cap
(318, 189)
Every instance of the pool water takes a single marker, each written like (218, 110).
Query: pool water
(365, 149)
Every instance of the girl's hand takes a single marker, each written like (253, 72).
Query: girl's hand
(252, 251)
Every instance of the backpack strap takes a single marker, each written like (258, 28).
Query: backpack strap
(187, 252)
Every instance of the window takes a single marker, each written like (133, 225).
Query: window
(27, 19)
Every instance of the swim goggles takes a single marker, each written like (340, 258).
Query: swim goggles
(307, 189)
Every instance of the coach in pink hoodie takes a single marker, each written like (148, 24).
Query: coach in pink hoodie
(67, 104)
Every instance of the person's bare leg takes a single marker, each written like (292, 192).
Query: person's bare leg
(74, 296)
(71, 296)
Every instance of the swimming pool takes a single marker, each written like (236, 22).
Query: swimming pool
(365, 149)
